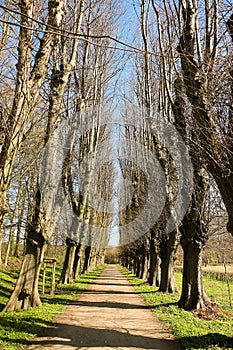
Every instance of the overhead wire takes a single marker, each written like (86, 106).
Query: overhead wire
(84, 37)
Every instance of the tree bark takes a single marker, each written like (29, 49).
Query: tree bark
(26, 293)
(21, 210)
(1, 233)
(77, 261)
(166, 253)
(144, 264)
(194, 235)
(193, 292)
(67, 275)
(86, 259)
(153, 262)
(3, 211)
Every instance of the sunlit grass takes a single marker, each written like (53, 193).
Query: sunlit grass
(192, 332)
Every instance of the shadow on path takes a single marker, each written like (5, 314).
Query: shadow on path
(108, 315)
(78, 336)
(114, 305)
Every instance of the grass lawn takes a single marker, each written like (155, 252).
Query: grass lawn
(192, 332)
(18, 328)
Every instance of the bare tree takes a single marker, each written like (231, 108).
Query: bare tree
(26, 293)
(201, 61)
(91, 80)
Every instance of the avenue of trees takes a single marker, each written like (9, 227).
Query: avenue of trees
(191, 87)
(165, 162)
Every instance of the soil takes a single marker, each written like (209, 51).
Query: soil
(212, 312)
(108, 315)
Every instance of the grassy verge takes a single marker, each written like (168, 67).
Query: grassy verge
(191, 331)
(18, 328)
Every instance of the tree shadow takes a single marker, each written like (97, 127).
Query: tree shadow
(21, 324)
(107, 284)
(28, 325)
(156, 306)
(51, 300)
(107, 277)
(5, 293)
(77, 336)
(208, 340)
(11, 273)
(10, 283)
(109, 304)
(95, 291)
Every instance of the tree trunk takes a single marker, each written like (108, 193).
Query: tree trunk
(137, 260)
(26, 293)
(143, 272)
(67, 275)
(1, 234)
(65, 264)
(193, 292)
(86, 259)
(166, 252)
(153, 262)
(158, 272)
(167, 280)
(21, 210)
(12, 228)
(3, 210)
(94, 253)
(77, 262)
(144, 266)
(101, 257)
(134, 264)
(194, 230)
(126, 260)
(9, 245)
(194, 234)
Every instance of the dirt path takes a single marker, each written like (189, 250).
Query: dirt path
(108, 315)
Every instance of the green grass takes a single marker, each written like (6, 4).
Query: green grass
(192, 332)
(18, 328)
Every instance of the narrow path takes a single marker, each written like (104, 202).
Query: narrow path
(108, 315)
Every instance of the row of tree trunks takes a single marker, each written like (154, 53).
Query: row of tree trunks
(79, 260)
(39, 227)
(27, 93)
(189, 100)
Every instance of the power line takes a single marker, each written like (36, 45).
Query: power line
(84, 37)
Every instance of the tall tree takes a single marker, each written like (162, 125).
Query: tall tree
(213, 117)
(95, 67)
(39, 229)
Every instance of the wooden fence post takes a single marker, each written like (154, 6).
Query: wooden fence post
(53, 280)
